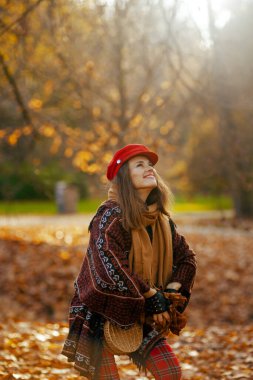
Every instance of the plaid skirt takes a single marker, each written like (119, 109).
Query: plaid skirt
(85, 347)
(161, 362)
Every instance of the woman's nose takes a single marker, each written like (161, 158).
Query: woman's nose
(149, 169)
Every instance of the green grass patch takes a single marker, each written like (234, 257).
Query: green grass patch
(89, 206)
(28, 207)
(202, 203)
(45, 207)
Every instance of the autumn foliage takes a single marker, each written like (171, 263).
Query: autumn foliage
(80, 79)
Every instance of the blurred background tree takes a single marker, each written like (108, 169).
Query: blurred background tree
(79, 79)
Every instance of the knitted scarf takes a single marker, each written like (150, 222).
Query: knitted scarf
(152, 261)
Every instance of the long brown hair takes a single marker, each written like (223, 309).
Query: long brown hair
(132, 205)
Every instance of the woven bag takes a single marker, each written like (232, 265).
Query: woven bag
(122, 341)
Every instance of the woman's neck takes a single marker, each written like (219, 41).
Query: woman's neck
(143, 194)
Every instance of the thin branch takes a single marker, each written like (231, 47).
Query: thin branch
(17, 93)
(24, 14)
(79, 88)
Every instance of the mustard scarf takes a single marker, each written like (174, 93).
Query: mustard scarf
(152, 261)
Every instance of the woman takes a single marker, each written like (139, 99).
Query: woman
(135, 258)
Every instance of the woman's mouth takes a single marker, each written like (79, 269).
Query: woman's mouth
(150, 176)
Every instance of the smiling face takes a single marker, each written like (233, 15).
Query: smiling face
(142, 175)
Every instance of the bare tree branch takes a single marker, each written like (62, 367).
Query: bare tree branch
(24, 14)
(17, 93)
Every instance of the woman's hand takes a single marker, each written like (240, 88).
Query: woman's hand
(174, 285)
(157, 306)
(162, 319)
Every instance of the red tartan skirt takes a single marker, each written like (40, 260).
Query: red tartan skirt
(161, 362)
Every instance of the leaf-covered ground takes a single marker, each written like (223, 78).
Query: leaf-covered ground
(31, 350)
(39, 264)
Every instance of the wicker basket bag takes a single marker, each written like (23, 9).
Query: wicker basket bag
(122, 341)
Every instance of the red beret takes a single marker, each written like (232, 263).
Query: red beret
(124, 154)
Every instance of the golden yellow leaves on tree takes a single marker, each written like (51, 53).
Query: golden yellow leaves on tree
(77, 104)
(27, 130)
(114, 94)
(107, 157)
(89, 66)
(42, 52)
(149, 139)
(12, 39)
(165, 85)
(35, 104)
(47, 130)
(100, 129)
(3, 3)
(68, 152)
(2, 133)
(164, 130)
(16, 8)
(153, 123)
(64, 129)
(48, 87)
(135, 122)
(178, 171)
(159, 101)
(68, 131)
(114, 141)
(96, 111)
(93, 168)
(135, 134)
(13, 137)
(103, 179)
(145, 98)
(162, 142)
(116, 112)
(82, 157)
(89, 136)
(55, 145)
(83, 166)
(94, 147)
(115, 127)
(208, 125)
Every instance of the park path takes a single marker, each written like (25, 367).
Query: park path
(83, 219)
(45, 220)
(189, 222)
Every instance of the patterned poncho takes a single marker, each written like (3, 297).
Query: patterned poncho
(106, 289)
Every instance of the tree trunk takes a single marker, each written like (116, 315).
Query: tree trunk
(243, 203)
